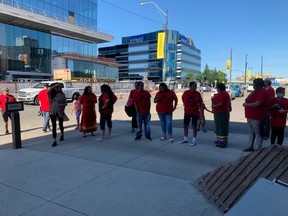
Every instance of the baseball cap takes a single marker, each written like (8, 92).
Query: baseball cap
(5, 89)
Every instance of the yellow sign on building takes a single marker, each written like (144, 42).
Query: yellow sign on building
(62, 74)
(160, 45)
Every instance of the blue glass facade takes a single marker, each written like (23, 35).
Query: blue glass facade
(27, 49)
(139, 54)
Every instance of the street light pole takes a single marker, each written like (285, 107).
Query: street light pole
(165, 14)
(245, 74)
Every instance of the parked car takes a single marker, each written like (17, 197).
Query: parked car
(229, 89)
(30, 95)
(250, 88)
(231, 92)
(206, 88)
(239, 90)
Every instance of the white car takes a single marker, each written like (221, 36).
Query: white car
(229, 89)
(250, 88)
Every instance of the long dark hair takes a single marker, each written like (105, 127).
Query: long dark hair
(86, 90)
(106, 89)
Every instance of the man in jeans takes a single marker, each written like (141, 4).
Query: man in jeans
(5, 97)
(142, 102)
(45, 106)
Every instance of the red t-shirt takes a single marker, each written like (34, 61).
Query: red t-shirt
(142, 99)
(270, 92)
(107, 109)
(4, 99)
(165, 101)
(278, 119)
(191, 101)
(44, 100)
(223, 98)
(257, 113)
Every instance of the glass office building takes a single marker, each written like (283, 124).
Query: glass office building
(38, 36)
(139, 54)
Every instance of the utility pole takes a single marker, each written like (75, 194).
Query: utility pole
(261, 66)
(230, 66)
(245, 72)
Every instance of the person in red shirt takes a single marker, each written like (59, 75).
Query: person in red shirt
(255, 109)
(106, 102)
(45, 106)
(278, 108)
(192, 100)
(271, 94)
(88, 123)
(221, 106)
(142, 102)
(166, 102)
(4, 98)
(130, 109)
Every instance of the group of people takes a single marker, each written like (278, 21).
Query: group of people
(53, 102)
(84, 107)
(262, 109)
(265, 110)
(139, 104)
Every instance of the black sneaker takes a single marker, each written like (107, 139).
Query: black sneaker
(148, 137)
(7, 132)
(248, 149)
(54, 144)
(138, 137)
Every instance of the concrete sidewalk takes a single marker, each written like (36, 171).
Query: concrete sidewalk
(117, 176)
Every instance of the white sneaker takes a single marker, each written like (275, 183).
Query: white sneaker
(193, 143)
(171, 140)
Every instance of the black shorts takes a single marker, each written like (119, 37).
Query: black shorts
(6, 115)
(187, 119)
(105, 119)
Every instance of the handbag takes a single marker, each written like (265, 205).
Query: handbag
(130, 102)
(130, 110)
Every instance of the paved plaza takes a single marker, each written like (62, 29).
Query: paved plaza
(117, 176)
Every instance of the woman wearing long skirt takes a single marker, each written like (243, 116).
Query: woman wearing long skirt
(221, 107)
(88, 119)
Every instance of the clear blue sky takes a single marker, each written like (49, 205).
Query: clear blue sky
(253, 27)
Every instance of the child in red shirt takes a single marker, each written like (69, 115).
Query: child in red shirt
(278, 109)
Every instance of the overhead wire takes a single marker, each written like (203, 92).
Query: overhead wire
(131, 12)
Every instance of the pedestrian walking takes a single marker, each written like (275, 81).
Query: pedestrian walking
(58, 102)
(166, 102)
(142, 102)
(88, 123)
(107, 100)
(255, 110)
(45, 107)
(278, 108)
(5, 97)
(221, 107)
(192, 100)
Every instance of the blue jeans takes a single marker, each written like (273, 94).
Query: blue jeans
(166, 123)
(146, 119)
(46, 117)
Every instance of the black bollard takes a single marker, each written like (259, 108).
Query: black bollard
(16, 132)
